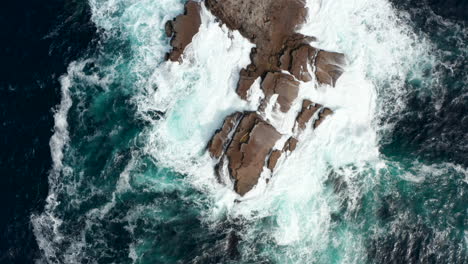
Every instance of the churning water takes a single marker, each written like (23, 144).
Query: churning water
(384, 180)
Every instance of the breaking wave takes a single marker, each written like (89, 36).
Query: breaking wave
(131, 182)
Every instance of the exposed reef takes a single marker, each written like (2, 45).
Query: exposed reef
(182, 29)
(248, 144)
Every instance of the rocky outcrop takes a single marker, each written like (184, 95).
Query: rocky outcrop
(276, 154)
(248, 148)
(271, 26)
(246, 144)
(182, 29)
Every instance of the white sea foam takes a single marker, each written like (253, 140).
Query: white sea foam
(196, 95)
(379, 48)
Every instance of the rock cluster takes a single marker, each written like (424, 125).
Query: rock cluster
(247, 144)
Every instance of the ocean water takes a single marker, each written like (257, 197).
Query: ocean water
(384, 180)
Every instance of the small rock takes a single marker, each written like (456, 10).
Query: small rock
(182, 29)
(323, 114)
(307, 111)
(275, 155)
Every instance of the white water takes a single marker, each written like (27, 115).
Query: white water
(197, 94)
(379, 48)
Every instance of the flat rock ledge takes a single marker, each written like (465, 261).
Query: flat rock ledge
(182, 29)
(247, 144)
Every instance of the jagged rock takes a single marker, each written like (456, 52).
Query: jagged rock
(290, 145)
(261, 21)
(275, 155)
(244, 83)
(300, 63)
(329, 67)
(322, 115)
(182, 29)
(298, 60)
(244, 144)
(251, 143)
(268, 24)
(307, 111)
(282, 84)
(220, 140)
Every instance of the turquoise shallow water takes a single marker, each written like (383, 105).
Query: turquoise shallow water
(131, 183)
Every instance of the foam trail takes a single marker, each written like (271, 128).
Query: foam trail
(57, 143)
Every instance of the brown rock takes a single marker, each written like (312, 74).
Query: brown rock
(274, 157)
(248, 150)
(282, 84)
(290, 145)
(221, 139)
(268, 24)
(271, 26)
(323, 114)
(245, 142)
(307, 111)
(300, 62)
(182, 29)
(245, 82)
(329, 67)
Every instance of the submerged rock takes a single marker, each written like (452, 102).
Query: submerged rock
(182, 29)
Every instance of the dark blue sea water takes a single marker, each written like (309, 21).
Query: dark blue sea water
(113, 198)
(40, 39)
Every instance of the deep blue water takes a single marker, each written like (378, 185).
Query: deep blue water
(41, 38)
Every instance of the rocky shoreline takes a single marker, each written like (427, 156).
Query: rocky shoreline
(247, 144)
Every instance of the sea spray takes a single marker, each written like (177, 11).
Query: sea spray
(134, 184)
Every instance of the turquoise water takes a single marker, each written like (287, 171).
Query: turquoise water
(131, 182)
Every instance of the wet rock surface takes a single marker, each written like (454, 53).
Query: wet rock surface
(322, 115)
(274, 157)
(271, 26)
(248, 149)
(284, 85)
(221, 139)
(308, 110)
(245, 145)
(182, 29)
(329, 67)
